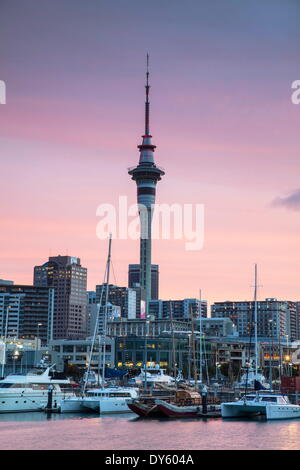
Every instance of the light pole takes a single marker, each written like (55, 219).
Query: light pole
(146, 333)
(189, 356)
(37, 343)
(271, 352)
(287, 356)
(15, 357)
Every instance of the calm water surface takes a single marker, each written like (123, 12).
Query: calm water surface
(35, 431)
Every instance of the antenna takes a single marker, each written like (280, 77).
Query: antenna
(147, 104)
(147, 74)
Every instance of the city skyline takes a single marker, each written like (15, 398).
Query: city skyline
(218, 93)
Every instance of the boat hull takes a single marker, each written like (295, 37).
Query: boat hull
(145, 410)
(274, 411)
(91, 404)
(239, 410)
(23, 403)
(72, 405)
(174, 411)
(108, 405)
(282, 412)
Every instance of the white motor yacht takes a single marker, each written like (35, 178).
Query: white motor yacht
(20, 393)
(269, 405)
(153, 374)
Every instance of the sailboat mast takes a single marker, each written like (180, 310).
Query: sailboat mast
(255, 322)
(105, 311)
(200, 337)
(193, 347)
(173, 343)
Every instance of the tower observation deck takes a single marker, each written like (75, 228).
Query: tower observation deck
(146, 175)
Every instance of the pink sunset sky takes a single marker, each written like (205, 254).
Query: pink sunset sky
(226, 132)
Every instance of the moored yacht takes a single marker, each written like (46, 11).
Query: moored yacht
(110, 399)
(152, 374)
(101, 400)
(269, 405)
(20, 393)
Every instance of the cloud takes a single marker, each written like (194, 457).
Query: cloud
(291, 202)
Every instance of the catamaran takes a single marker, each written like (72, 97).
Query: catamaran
(269, 404)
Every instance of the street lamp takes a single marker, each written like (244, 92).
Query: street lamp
(146, 333)
(189, 356)
(218, 367)
(271, 352)
(15, 357)
(287, 356)
(37, 343)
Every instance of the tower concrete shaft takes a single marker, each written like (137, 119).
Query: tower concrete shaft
(146, 175)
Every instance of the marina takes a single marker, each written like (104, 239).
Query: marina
(149, 281)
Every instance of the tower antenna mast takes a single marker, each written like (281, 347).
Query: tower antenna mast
(147, 104)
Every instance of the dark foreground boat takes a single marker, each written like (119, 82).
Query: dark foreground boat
(184, 404)
(145, 408)
(171, 410)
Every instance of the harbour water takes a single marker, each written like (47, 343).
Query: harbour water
(34, 431)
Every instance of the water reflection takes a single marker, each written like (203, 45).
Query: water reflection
(126, 431)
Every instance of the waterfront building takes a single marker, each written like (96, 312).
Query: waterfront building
(77, 352)
(275, 318)
(68, 279)
(146, 175)
(4, 282)
(26, 311)
(134, 272)
(216, 327)
(21, 355)
(123, 297)
(297, 304)
(141, 328)
(227, 356)
(133, 352)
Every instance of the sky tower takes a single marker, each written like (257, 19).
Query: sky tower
(146, 175)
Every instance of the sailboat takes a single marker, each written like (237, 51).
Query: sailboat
(103, 399)
(271, 405)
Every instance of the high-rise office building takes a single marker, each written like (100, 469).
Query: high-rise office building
(146, 175)
(68, 279)
(134, 274)
(276, 319)
(96, 311)
(297, 319)
(123, 297)
(26, 311)
(183, 309)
